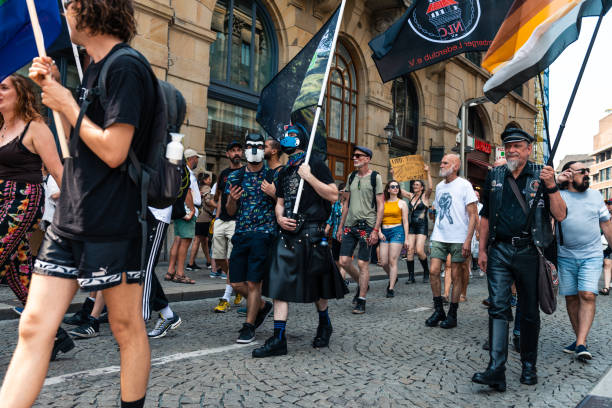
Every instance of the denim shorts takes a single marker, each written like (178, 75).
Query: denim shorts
(394, 235)
(579, 275)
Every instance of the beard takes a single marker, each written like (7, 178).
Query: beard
(235, 160)
(267, 156)
(512, 164)
(446, 172)
(581, 187)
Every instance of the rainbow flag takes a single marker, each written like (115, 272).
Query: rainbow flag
(533, 35)
(17, 45)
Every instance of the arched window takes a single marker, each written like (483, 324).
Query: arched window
(243, 59)
(340, 112)
(475, 127)
(405, 116)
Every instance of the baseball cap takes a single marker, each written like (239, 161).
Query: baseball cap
(363, 149)
(190, 153)
(233, 143)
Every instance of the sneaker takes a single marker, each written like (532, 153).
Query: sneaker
(390, 293)
(208, 266)
(263, 313)
(273, 347)
(163, 326)
(347, 282)
(62, 343)
(442, 274)
(214, 274)
(571, 349)
(223, 275)
(193, 267)
(359, 306)
(82, 316)
(242, 311)
(481, 273)
(223, 306)
(582, 353)
(356, 296)
(513, 300)
(247, 334)
(87, 330)
(18, 310)
(238, 299)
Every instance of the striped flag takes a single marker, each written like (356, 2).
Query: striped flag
(17, 45)
(533, 35)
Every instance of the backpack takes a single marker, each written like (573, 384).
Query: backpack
(158, 178)
(372, 181)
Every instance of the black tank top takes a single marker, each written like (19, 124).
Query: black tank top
(418, 212)
(17, 163)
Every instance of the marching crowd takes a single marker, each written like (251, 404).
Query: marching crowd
(253, 236)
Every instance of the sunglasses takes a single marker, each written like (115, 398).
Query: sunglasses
(67, 3)
(359, 155)
(582, 171)
(394, 187)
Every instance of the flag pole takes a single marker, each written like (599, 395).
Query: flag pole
(40, 45)
(565, 116)
(75, 52)
(313, 131)
(544, 114)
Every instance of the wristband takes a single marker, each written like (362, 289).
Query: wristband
(551, 190)
(374, 230)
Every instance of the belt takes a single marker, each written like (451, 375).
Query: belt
(517, 242)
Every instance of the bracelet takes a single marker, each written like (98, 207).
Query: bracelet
(551, 190)
(374, 230)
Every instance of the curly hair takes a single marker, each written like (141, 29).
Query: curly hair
(112, 17)
(27, 107)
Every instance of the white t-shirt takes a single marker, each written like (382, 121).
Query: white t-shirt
(50, 189)
(452, 218)
(213, 190)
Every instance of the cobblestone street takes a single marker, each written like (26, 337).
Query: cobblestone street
(387, 357)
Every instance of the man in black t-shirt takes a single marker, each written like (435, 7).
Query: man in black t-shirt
(302, 269)
(225, 225)
(95, 234)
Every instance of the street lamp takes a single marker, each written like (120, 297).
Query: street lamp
(464, 113)
(389, 133)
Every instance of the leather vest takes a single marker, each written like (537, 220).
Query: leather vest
(541, 228)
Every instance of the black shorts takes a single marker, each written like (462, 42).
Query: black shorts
(96, 265)
(335, 247)
(354, 236)
(202, 228)
(418, 227)
(250, 252)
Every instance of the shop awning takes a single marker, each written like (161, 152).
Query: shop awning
(480, 163)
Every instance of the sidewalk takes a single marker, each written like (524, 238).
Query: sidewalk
(205, 287)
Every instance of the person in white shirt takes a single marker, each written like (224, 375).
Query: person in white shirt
(456, 214)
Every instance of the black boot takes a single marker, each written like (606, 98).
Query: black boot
(516, 342)
(451, 317)
(410, 265)
(495, 375)
(62, 343)
(82, 316)
(425, 266)
(324, 332)
(438, 314)
(274, 346)
(530, 333)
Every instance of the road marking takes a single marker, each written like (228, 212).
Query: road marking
(419, 309)
(154, 362)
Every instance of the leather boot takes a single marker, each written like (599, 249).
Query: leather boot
(425, 266)
(451, 317)
(530, 333)
(324, 332)
(438, 314)
(410, 265)
(495, 375)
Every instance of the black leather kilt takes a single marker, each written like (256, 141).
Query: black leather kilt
(301, 269)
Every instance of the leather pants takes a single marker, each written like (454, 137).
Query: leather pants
(508, 264)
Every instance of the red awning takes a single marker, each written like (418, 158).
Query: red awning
(480, 163)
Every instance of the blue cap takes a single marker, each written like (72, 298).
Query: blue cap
(367, 151)
(233, 143)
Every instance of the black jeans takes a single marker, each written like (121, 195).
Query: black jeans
(507, 264)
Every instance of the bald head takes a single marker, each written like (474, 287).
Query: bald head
(450, 165)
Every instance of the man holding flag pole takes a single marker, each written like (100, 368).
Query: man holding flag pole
(81, 248)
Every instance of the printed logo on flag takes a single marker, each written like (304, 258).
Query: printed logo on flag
(445, 21)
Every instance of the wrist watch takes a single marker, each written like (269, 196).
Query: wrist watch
(551, 190)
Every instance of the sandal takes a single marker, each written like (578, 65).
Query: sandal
(169, 276)
(183, 279)
(604, 291)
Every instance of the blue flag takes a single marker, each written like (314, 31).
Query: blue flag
(17, 45)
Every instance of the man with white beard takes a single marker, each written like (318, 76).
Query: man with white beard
(456, 214)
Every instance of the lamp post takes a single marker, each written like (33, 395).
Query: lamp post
(464, 118)
(389, 133)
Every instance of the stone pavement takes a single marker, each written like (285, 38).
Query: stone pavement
(385, 358)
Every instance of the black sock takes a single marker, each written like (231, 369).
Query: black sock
(324, 318)
(133, 404)
(425, 266)
(279, 328)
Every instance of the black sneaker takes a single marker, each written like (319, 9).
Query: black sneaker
(390, 293)
(62, 343)
(359, 306)
(262, 314)
(247, 334)
(356, 295)
(272, 347)
(193, 267)
(82, 316)
(163, 326)
(87, 330)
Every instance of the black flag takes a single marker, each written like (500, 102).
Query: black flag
(431, 31)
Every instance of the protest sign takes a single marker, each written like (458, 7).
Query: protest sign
(408, 168)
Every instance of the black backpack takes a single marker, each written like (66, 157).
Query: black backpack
(372, 181)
